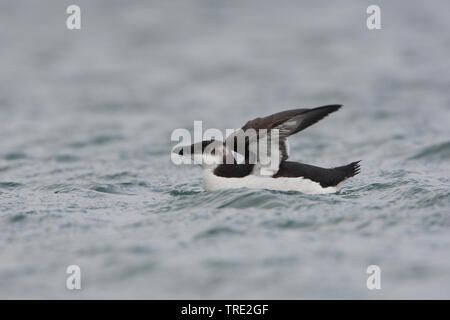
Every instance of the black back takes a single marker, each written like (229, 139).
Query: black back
(326, 177)
(233, 170)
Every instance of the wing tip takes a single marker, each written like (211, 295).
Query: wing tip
(356, 167)
(331, 107)
(350, 170)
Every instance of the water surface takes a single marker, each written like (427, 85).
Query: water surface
(85, 171)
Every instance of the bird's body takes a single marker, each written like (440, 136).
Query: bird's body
(255, 181)
(255, 171)
(291, 176)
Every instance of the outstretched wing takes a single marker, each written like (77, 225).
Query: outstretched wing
(286, 123)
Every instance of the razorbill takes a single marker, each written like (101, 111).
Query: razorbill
(249, 169)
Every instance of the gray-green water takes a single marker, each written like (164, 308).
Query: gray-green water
(85, 171)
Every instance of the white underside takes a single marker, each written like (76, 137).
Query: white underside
(213, 182)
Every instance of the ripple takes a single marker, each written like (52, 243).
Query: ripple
(104, 139)
(96, 141)
(440, 151)
(436, 220)
(248, 200)
(435, 200)
(244, 199)
(5, 168)
(184, 192)
(134, 184)
(119, 175)
(66, 158)
(53, 186)
(10, 185)
(378, 186)
(293, 224)
(109, 188)
(17, 218)
(64, 189)
(217, 231)
(19, 155)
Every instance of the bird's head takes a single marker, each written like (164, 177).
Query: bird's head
(207, 153)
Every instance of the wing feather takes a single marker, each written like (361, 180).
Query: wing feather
(286, 122)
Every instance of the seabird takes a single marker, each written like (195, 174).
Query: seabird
(252, 171)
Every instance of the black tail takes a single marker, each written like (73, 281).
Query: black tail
(339, 174)
(326, 177)
(349, 170)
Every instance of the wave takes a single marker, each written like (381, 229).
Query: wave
(440, 151)
(10, 185)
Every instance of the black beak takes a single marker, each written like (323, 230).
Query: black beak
(178, 150)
